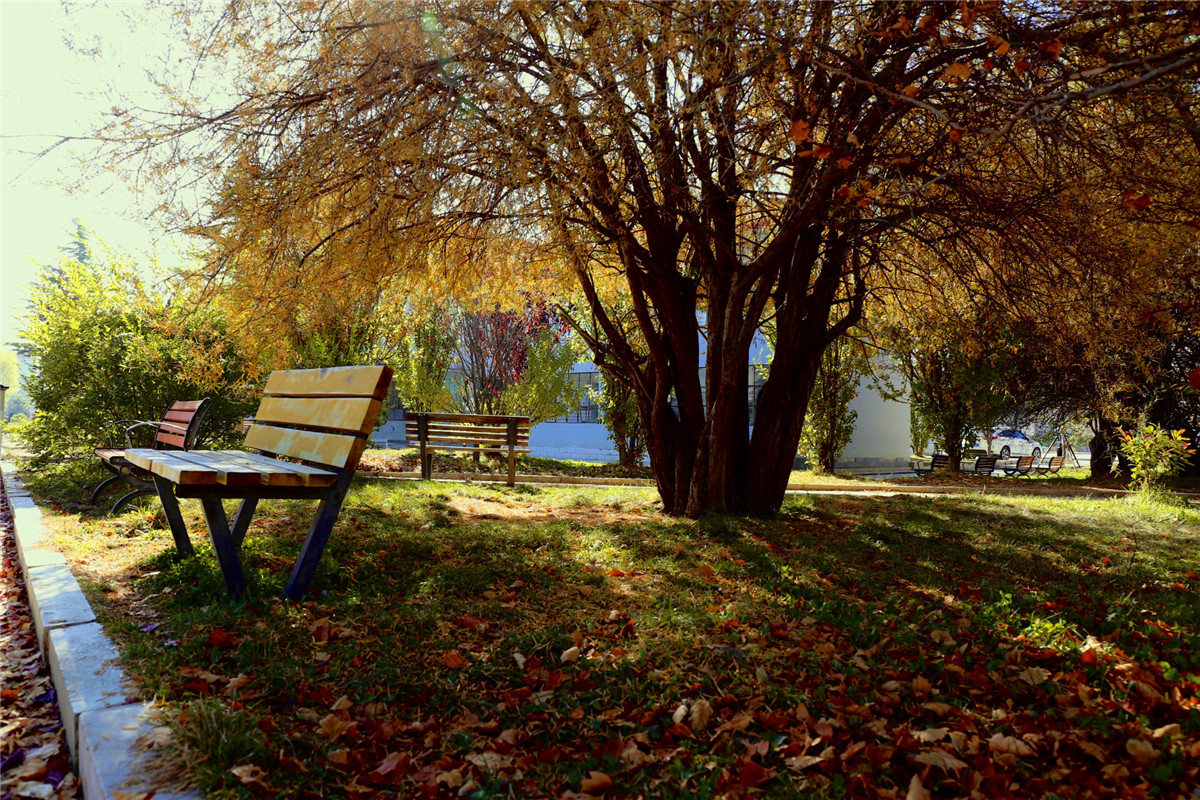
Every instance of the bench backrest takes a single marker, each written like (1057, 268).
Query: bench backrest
(940, 461)
(181, 424)
(1055, 464)
(486, 430)
(323, 416)
(1024, 463)
(985, 464)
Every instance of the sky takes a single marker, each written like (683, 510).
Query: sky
(48, 90)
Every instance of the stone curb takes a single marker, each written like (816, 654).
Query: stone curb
(103, 728)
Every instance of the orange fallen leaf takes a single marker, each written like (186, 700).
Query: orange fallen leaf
(452, 659)
(596, 783)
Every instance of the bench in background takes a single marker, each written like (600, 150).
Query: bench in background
(985, 465)
(318, 419)
(1050, 468)
(176, 430)
(1021, 468)
(471, 433)
(939, 461)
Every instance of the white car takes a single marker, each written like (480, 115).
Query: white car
(1011, 442)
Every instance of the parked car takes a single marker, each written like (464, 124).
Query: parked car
(1011, 442)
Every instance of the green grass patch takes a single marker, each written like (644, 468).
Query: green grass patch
(469, 640)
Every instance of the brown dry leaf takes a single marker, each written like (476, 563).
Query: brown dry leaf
(931, 734)
(343, 703)
(942, 637)
(738, 723)
(340, 757)
(569, 656)
(921, 685)
(452, 659)
(941, 709)
(999, 743)
(917, 790)
(490, 762)
(237, 683)
(320, 629)
(155, 737)
(596, 783)
(250, 774)
(1168, 730)
(701, 714)
(998, 44)
(1142, 750)
(453, 778)
(1034, 675)
(939, 758)
(333, 726)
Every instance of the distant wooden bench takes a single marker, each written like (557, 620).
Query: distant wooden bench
(939, 461)
(1049, 468)
(985, 465)
(176, 430)
(1021, 468)
(318, 418)
(472, 433)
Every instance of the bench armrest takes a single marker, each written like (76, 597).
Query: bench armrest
(128, 425)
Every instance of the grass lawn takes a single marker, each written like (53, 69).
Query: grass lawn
(467, 640)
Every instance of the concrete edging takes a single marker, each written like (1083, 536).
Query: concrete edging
(104, 729)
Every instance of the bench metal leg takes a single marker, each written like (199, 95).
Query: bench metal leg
(241, 520)
(318, 535)
(116, 507)
(102, 486)
(226, 550)
(166, 494)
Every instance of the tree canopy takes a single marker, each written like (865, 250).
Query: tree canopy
(721, 164)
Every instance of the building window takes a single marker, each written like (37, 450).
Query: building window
(588, 411)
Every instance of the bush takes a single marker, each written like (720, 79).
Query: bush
(103, 347)
(1156, 454)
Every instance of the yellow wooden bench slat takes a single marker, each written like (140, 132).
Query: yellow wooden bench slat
(349, 414)
(333, 449)
(335, 381)
(477, 419)
(167, 464)
(282, 473)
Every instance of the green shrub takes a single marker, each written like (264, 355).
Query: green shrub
(1156, 454)
(102, 346)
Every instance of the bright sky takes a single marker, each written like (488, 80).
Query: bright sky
(50, 91)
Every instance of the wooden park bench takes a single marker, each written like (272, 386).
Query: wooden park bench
(176, 430)
(939, 461)
(1049, 468)
(472, 433)
(318, 419)
(985, 465)
(1021, 468)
